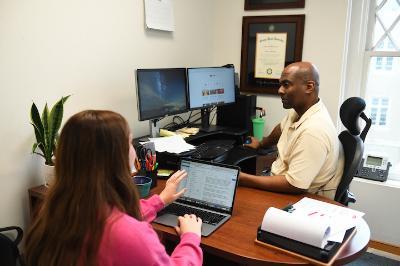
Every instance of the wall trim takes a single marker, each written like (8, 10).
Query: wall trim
(384, 247)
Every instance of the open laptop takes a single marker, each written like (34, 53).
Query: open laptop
(211, 189)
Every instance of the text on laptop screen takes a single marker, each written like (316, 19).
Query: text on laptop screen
(209, 184)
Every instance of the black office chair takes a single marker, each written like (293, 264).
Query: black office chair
(353, 145)
(9, 253)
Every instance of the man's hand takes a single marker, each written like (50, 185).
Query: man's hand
(254, 144)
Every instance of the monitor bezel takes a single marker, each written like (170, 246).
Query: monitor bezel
(214, 105)
(139, 104)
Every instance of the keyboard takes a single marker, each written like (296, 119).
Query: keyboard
(206, 216)
(211, 150)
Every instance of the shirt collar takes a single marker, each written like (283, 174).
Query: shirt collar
(312, 110)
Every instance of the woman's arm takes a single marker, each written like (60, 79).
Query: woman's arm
(151, 206)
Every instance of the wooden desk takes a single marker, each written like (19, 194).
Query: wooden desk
(234, 241)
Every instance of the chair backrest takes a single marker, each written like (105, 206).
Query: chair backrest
(9, 253)
(353, 144)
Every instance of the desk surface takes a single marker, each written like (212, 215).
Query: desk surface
(235, 239)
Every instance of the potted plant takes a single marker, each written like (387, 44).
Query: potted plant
(46, 129)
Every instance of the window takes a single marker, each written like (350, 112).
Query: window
(374, 55)
(378, 110)
(378, 63)
(389, 63)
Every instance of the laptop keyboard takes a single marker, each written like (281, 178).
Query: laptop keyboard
(180, 210)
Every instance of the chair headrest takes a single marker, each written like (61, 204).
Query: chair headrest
(350, 111)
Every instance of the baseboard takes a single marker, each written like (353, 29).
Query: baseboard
(384, 247)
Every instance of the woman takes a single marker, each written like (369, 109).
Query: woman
(92, 214)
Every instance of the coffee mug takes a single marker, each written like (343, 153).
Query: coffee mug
(143, 184)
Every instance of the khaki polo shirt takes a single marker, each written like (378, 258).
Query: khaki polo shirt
(310, 154)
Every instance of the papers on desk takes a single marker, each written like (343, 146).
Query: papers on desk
(340, 218)
(296, 227)
(311, 221)
(172, 144)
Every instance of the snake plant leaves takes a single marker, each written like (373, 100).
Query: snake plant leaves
(46, 128)
(38, 129)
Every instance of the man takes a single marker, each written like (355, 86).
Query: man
(310, 155)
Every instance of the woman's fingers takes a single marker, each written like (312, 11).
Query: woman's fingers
(180, 193)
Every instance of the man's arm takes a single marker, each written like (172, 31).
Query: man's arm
(273, 138)
(269, 141)
(277, 183)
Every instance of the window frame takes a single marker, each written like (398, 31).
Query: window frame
(358, 48)
(358, 54)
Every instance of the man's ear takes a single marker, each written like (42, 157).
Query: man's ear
(310, 86)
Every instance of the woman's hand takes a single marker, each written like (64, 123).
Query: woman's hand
(169, 194)
(189, 223)
(255, 144)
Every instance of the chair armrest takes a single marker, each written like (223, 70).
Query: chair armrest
(350, 198)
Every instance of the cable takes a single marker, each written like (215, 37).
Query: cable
(190, 123)
(180, 118)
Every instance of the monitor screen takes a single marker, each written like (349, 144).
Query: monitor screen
(210, 86)
(161, 92)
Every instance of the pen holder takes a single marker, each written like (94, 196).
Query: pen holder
(151, 174)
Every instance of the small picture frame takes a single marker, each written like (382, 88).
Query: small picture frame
(272, 4)
(269, 43)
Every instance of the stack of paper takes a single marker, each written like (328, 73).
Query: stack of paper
(172, 144)
(311, 221)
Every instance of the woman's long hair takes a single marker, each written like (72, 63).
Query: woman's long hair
(92, 177)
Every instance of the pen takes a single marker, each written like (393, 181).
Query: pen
(138, 165)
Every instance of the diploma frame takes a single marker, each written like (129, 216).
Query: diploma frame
(293, 25)
(266, 4)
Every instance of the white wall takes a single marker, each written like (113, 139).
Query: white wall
(379, 201)
(89, 49)
(324, 35)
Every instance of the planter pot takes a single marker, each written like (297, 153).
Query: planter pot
(48, 174)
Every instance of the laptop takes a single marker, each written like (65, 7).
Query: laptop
(211, 189)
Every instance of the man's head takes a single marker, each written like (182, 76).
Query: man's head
(299, 86)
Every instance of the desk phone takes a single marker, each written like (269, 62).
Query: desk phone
(374, 168)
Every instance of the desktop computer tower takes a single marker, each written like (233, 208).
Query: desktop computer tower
(239, 114)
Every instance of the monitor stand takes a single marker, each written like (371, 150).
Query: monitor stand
(205, 122)
(154, 128)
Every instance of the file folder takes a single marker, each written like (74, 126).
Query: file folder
(314, 255)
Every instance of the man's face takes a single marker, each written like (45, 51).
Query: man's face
(292, 89)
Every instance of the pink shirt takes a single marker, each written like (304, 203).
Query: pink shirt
(127, 241)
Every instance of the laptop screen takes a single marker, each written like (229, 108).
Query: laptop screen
(209, 184)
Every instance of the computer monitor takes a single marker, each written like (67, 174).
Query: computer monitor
(161, 92)
(209, 87)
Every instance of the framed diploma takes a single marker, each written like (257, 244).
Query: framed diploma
(270, 55)
(272, 4)
(269, 43)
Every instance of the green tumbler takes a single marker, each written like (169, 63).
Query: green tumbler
(258, 128)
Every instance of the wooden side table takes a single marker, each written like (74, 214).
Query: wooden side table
(36, 197)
